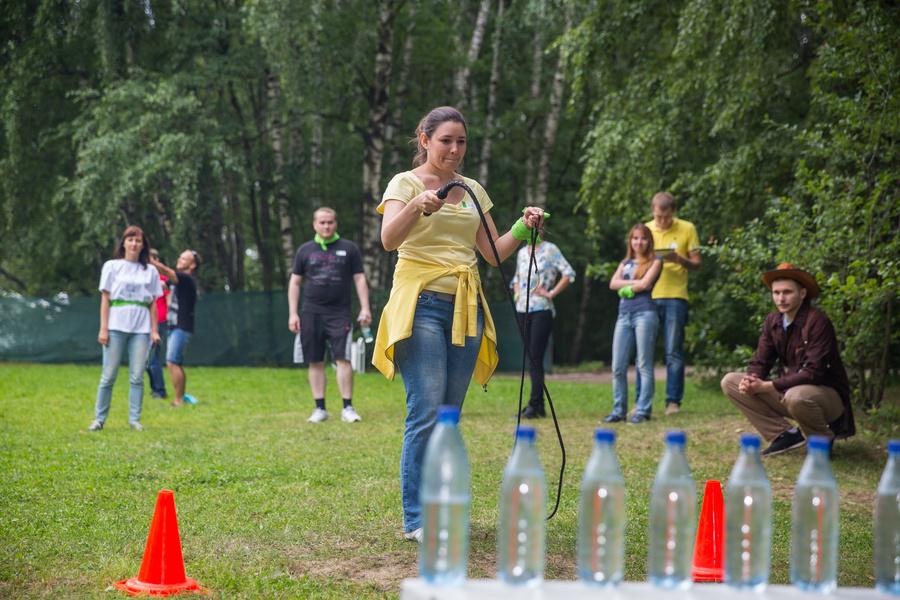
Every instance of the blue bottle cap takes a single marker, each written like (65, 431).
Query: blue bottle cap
(605, 435)
(448, 414)
(526, 433)
(894, 447)
(750, 440)
(818, 442)
(676, 437)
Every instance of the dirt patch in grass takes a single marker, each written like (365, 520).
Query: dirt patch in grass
(383, 572)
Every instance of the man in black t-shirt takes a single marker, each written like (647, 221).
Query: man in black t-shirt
(327, 266)
(181, 319)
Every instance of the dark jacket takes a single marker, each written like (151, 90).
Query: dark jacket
(808, 355)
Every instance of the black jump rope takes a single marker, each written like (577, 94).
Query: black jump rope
(526, 353)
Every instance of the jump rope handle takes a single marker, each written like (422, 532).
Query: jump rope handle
(442, 192)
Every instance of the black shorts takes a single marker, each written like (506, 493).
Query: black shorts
(316, 328)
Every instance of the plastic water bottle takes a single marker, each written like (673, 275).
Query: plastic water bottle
(601, 515)
(523, 502)
(673, 502)
(444, 494)
(887, 525)
(748, 520)
(814, 531)
(367, 334)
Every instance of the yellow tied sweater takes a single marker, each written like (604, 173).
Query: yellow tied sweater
(397, 319)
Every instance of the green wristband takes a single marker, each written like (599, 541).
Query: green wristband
(626, 292)
(521, 232)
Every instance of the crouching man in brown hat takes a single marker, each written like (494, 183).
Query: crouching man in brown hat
(810, 385)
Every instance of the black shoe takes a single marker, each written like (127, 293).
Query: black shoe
(786, 441)
(613, 418)
(639, 418)
(533, 412)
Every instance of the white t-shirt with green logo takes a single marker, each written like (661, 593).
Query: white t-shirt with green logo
(132, 282)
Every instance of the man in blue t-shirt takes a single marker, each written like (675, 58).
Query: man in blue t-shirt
(327, 267)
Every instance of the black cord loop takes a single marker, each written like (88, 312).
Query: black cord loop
(522, 327)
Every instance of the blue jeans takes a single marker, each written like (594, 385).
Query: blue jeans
(434, 372)
(177, 342)
(673, 316)
(634, 329)
(137, 345)
(155, 365)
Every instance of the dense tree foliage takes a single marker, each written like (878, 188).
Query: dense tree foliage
(221, 124)
(776, 126)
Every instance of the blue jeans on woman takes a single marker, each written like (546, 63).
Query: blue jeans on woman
(634, 329)
(137, 345)
(435, 372)
(673, 317)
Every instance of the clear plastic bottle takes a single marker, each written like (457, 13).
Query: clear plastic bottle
(673, 519)
(748, 520)
(444, 493)
(814, 529)
(601, 515)
(523, 507)
(887, 525)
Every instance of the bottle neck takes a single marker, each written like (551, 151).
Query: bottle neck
(750, 451)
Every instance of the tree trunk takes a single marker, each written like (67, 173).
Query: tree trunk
(551, 126)
(461, 82)
(490, 117)
(373, 141)
(537, 57)
(583, 308)
(256, 224)
(236, 279)
(273, 94)
(400, 93)
(315, 160)
(881, 371)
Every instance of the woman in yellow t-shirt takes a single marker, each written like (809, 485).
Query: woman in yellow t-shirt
(437, 327)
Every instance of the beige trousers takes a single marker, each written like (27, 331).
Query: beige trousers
(813, 407)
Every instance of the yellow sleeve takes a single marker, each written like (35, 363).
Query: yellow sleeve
(401, 187)
(481, 194)
(693, 240)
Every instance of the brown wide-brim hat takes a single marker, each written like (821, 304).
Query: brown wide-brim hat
(788, 271)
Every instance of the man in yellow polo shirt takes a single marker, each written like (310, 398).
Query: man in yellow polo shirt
(676, 241)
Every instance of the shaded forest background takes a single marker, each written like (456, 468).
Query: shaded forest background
(221, 124)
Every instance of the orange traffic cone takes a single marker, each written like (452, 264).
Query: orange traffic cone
(709, 549)
(162, 570)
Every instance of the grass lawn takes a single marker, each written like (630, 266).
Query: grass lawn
(271, 506)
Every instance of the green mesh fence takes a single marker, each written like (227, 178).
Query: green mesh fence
(238, 328)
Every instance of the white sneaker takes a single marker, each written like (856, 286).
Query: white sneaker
(414, 536)
(348, 415)
(95, 426)
(318, 415)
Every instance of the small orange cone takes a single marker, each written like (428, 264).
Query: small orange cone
(709, 548)
(162, 570)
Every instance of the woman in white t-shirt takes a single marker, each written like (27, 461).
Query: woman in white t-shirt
(129, 288)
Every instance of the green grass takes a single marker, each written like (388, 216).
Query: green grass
(270, 506)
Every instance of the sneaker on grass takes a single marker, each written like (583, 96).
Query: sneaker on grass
(348, 415)
(318, 415)
(413, 536)
(188, 399)
(136, 426)
(788, 440)
(672, 408)
(95, 426)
